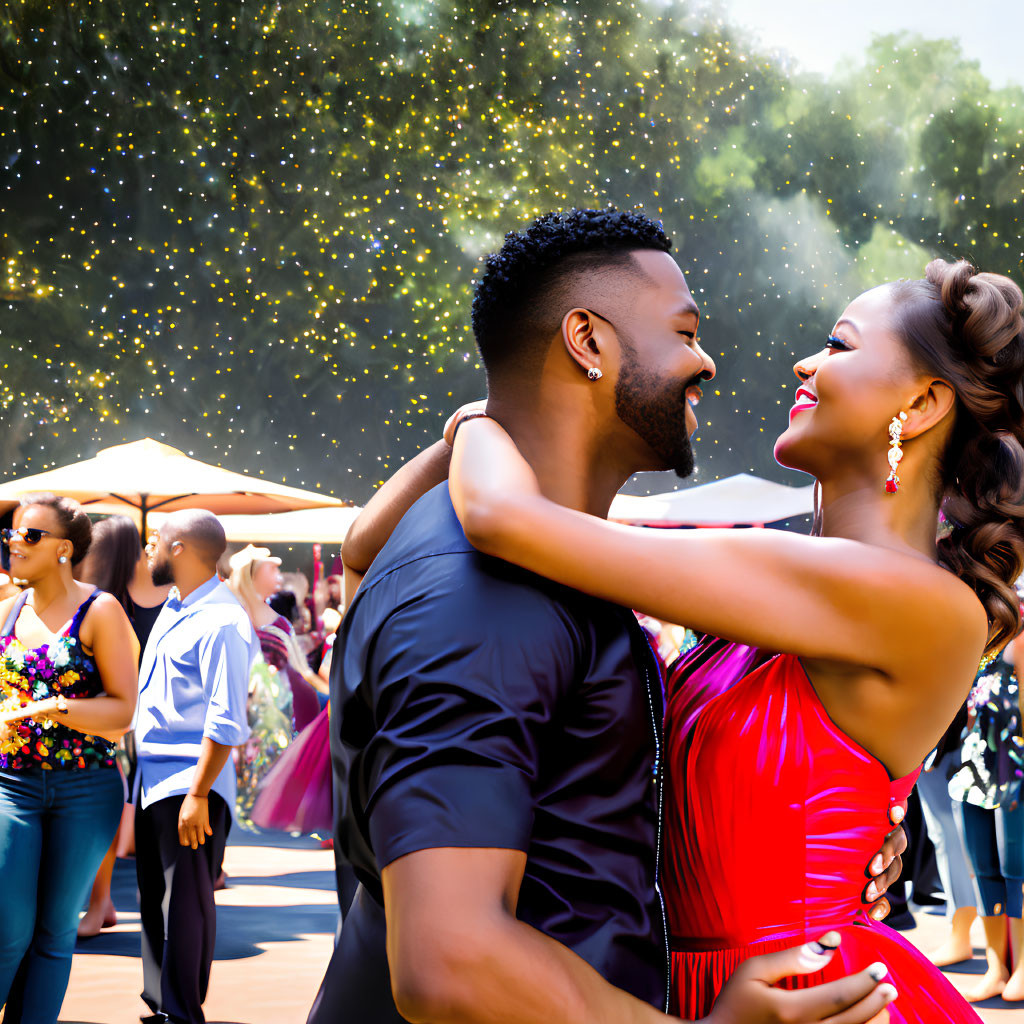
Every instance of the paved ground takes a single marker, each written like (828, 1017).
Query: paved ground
(930, 934)
(276, 923)
(275, 934)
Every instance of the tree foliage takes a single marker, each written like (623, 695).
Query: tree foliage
(252, 228)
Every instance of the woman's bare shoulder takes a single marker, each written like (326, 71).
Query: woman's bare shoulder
(951, 606)
(105, 607)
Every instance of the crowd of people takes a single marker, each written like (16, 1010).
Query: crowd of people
(137, 688)
(544, 806)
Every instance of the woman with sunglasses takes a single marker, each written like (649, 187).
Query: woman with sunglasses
(68, 683)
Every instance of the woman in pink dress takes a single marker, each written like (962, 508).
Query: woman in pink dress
(848, 653)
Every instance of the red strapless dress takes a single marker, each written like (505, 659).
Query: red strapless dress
(772, 814)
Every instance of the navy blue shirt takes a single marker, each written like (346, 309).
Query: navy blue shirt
(477, 705)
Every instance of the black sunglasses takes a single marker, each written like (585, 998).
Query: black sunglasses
(29, 534)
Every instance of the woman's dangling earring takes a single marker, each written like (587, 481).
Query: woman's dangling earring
(594, 373)
(892, 485)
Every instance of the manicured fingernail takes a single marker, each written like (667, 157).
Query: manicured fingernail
(872, 893)
(897, 814)
(828, 943)
(887, 992)
(878, 913)
(877, 867)
(814, 954)
(877, 971)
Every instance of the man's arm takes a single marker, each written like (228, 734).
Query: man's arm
(194, 816)
(458, 955)
(472, 960)
(225, 658)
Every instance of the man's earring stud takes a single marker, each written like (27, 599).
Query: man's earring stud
(594, 373)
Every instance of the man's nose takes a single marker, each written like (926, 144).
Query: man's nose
(708, 372)
(805, 369)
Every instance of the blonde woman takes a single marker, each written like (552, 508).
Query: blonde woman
(255, 577)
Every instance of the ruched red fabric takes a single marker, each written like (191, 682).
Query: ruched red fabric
(772, 815)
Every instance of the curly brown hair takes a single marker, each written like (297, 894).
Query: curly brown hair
(967, 328)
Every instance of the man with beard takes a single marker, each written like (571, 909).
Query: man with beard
(193, 684)
(495, 737)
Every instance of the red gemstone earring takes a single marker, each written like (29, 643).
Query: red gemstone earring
(892, 485)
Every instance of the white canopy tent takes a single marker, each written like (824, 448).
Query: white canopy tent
(307, 526)
(737, 500)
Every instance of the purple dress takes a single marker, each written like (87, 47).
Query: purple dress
(295, 795)
(274, 645)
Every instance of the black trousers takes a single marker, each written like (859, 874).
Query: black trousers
(179, 916)
(357, 985)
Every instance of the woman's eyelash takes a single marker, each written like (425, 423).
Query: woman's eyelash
(834, 342)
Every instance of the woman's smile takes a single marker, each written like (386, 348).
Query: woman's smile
(805, 399)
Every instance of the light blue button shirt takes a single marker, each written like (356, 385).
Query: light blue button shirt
(193, 682)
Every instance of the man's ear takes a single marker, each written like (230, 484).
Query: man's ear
(585, 337)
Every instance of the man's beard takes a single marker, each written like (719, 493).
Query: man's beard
(655, 409)
(161, 573)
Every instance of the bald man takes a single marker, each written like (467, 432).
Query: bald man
(193, 684)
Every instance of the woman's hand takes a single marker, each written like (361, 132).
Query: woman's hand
(750, 995)
(37, 710)
(886, 866)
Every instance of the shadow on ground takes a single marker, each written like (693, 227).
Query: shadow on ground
(975, 966)
(239, 929)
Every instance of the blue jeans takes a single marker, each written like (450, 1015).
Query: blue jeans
(945, 829)
(55, 827)
(995, 844)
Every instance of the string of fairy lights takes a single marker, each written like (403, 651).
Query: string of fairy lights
(251, 229)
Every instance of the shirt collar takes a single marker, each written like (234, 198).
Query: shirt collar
(197, 595)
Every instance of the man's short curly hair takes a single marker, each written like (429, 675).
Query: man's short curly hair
(528, 285)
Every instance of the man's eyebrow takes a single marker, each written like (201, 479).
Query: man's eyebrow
(690, 309)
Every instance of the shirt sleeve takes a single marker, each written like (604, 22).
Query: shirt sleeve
(225, 660)
(466, 701)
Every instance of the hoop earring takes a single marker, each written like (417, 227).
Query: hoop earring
(594, 373)
(892, 484)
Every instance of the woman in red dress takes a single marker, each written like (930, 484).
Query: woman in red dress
(848, 654)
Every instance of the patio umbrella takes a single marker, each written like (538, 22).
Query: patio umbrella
(146, 475)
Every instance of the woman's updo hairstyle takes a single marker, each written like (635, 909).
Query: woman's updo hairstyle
(74, 523)
(966, 328)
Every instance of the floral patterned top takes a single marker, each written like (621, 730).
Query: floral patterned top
(36, 673)
(992, 755)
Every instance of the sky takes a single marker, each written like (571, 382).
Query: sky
(822, 34)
